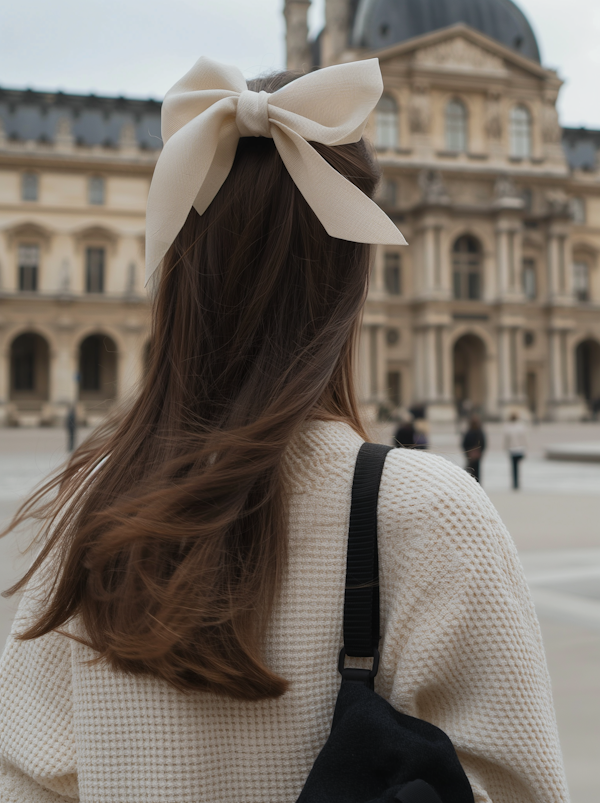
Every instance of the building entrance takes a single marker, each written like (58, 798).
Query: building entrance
(469, 374)
(97, 371)
(587, 359)
(29, 371)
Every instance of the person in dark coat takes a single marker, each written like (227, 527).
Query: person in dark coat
(474, 446)
(71, 425)
(405, 435)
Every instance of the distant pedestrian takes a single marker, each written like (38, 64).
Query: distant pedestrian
(71, 425)
(474, 446)
(421, 427)
(515, 441)
(405, 434)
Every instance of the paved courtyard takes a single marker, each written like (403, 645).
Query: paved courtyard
(554, 520)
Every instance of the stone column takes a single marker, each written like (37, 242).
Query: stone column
(508, 259)
(558, 262)
(510, 382)
(296, 35)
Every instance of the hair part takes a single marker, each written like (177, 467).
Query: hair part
(168, 529)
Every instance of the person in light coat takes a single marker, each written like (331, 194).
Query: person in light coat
(515, 442)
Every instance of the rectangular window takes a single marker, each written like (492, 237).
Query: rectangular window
(392, 273)
(529, 279)
(29, 187)
(96, 190)
(581, 281)
(94, 270)
(29, 260)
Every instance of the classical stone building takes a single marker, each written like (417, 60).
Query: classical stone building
(74, 177)
(497, 300)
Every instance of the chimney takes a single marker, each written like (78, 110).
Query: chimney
(296, 35)
(337, 30)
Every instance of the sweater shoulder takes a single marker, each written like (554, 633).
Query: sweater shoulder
(426, 499)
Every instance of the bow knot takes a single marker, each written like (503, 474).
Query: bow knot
(252, 115)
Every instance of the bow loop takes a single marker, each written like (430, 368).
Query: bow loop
(252, 116)
(206, 112)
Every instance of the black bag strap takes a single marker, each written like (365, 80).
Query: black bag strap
(361, 600)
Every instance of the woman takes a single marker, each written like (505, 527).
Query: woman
(179, 634)
(474, 446)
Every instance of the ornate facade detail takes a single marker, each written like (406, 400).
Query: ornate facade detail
(419, 110)
(557, 203)
(493, 116)
(432, 187)
(551, 130)
(461, 54)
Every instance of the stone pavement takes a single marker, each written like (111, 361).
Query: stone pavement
(554, 520)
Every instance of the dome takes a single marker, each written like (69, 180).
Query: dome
(381, 23)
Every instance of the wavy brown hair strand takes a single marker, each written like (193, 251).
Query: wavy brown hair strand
(167, 530)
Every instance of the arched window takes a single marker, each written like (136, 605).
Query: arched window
(467, 268)
(386, 123)
(456, 126)
(520, 132)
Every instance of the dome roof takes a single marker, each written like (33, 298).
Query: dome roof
(381, 23)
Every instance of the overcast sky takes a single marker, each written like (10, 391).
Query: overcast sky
(138, 48)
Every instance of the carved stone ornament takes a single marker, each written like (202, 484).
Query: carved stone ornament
(433, 187)
(551, 130)
(493, 116)
(419, 110)
(504, 188)
(557, 203)
(65, 276)
(459, 53)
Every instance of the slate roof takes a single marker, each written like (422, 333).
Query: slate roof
(94, 120)
(383, 23)
(582, 146)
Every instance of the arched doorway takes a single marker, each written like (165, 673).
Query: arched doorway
(97, 370)
(29, 371)
(587, 361)
(469, 373)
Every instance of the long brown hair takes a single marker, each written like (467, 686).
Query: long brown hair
(167, 529)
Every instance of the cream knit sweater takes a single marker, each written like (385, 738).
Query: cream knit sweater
(461, 648)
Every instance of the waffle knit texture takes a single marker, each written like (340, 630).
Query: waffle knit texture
(461, 648)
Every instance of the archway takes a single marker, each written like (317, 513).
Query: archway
(469, 373)
(97, 369)
(587, 361)
(29, 370)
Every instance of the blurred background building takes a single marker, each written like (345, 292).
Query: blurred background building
(74, 324)
(495, 306)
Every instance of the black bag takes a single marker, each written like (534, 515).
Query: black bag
(375, 754)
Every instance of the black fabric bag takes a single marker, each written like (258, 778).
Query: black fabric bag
(375, 754)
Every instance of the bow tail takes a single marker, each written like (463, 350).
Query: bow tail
(191, 169)
(345, 211)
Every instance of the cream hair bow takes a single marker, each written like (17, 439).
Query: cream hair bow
(211, 107)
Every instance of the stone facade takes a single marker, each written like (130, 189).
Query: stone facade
(74, 322)
(495, 306)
